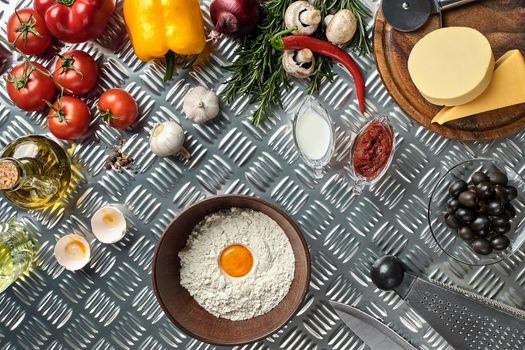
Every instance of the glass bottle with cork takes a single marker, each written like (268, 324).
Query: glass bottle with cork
(34, 172)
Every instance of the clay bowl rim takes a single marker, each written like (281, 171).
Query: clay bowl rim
(281, 212)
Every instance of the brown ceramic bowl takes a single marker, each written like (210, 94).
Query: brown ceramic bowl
(187, 314)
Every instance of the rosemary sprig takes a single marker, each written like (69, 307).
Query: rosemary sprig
(258, 70)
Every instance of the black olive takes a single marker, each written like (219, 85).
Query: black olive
(451, 221)
(387, 272)
(512, 192)
(482, 246)
(500, 193)
(484, 233)
(500, 242)
(510, 211)
(482, 207)
(480, 223)
(484, 190)
(453, 203)
(465, 215)
(479, 177)
(495, 208)
(501, 220)
(501, 229)
(498, 178)
(466, 233)
(457, 187)
(468, 198)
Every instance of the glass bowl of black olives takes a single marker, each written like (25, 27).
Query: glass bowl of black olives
(476, 212)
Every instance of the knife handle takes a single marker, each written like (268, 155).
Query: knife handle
(448, 4)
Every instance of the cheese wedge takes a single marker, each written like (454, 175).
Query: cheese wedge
(507, 88)
(451, 66)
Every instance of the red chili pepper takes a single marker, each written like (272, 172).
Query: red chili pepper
(298, 42)
(75, 21)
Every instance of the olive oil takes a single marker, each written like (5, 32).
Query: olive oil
(16, 254)
(34, 172)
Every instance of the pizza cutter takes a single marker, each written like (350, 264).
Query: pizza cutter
(409, 15)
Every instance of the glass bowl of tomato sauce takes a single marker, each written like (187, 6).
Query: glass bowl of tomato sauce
(371, 153)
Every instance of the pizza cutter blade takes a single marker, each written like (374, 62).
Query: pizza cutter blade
(409, 15)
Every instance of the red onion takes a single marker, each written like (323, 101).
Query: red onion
(234, 18)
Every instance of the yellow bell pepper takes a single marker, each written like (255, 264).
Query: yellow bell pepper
(160, 28)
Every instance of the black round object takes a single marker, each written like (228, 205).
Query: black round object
(482, 246)
(500, 242)
(457, 187)
(498, 178)
(500, 192)
(451, 221)
(500, 230)
(387, 272)
(501, 220)
(466, 233)
(453, 203)
(510, 211)
(482, 207)
(471, 187)
(406, 15)
(468, 198)
(484, 190)
(480, 223)
(465, 215)
(479, 177)
(494, 207)
(512, 192)
(484, 232)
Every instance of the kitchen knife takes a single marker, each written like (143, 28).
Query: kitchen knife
(373, 332)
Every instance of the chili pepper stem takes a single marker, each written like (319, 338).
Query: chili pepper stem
(277, 39)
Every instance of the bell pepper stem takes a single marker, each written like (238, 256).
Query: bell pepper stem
(277, 39)
(170, 65)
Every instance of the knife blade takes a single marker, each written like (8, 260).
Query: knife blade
(373, 332)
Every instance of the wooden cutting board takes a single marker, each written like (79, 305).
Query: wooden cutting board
(502, 21)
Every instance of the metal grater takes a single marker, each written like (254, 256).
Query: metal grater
(465, 319)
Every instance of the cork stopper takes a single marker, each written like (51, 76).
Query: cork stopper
(9, 174)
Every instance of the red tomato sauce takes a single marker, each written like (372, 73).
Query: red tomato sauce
(372, 150)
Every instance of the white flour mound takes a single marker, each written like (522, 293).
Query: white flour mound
(237, 298)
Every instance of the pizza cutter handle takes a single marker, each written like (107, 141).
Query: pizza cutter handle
(448, 4)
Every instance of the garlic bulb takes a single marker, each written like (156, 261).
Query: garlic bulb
(167, 139)
(200, 104)
(341, 27)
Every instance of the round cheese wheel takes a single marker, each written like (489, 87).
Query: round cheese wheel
(451, 66)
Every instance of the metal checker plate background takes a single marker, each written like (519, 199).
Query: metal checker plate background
(110, 304)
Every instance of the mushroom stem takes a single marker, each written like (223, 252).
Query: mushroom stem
(310, 17)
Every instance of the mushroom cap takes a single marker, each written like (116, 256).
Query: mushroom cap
(341, 27)
(303, 15)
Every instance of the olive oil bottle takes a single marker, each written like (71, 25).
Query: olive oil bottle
(34, 172)
(16, 253)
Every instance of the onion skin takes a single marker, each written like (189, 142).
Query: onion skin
(234, 18)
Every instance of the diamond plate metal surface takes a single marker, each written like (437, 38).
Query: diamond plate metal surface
(110, 304)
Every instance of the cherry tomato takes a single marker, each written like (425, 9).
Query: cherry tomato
(76, 71)
(69, 118)
(118, 108)
(29, 89)
(28, 31)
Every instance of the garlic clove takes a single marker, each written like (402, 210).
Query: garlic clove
(200, 104)
(167, 139)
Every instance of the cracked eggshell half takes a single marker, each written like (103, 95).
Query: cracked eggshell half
(108, 224)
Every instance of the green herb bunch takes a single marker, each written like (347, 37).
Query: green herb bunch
(258, 70)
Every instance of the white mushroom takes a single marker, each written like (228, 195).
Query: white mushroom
(304, 16)
(200, 104)
(341, 27)
(299, 63)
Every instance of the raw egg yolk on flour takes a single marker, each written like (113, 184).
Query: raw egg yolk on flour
(236, 260)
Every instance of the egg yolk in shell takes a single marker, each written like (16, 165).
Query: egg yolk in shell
(236, 260)
(75, 248)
